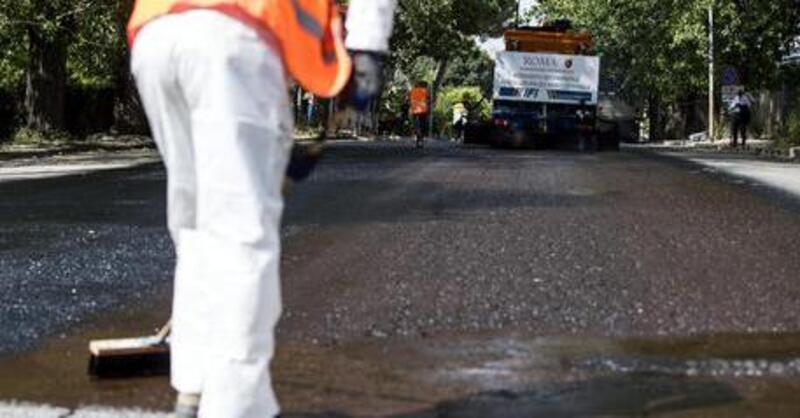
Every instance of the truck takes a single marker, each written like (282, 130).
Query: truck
(546, 91)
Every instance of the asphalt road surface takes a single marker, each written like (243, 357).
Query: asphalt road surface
(448, 282)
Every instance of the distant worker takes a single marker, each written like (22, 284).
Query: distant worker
(420, 111)
(740, 110)
(460, 119)
(587, 139)
(310, 102)
(212, 78)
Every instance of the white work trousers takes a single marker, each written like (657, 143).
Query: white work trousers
(216, 99)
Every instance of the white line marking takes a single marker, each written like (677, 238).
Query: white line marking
(28, 410)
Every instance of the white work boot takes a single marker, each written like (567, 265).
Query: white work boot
(187, 405)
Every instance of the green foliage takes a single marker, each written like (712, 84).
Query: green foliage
(472, 67)
(26, 136)
(12, 54)
(440, 28)
(647, 46)
(660, 46)
(96, 49)
(753, 35)
(89, 29)
(792, 130)
(479, 108)
(393, 111)
(435, 41)
(11, 68)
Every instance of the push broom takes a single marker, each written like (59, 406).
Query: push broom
(140, 356)
(149, 355)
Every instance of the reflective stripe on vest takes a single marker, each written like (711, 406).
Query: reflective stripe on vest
(309, 34)
(307, 21)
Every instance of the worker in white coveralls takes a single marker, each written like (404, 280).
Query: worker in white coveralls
(212, 75)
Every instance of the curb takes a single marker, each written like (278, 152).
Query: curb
(29, 410)
(791, 156)
(21, 154)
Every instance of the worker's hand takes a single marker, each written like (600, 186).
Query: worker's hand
(366, 81)
(303, 161)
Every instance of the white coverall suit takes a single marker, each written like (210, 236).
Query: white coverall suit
(215, 94)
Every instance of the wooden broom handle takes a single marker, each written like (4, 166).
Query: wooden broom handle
(163, 333)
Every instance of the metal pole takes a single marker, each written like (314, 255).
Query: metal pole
(518, 18)
(711, 132)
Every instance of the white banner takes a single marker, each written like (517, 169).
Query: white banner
(546, 78)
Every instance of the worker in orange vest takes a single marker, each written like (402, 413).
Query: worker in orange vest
(212, 75)
(420, 111)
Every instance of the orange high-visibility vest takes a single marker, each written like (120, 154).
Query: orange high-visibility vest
(419, 100)
(309, 34)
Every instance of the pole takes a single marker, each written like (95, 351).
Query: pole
(518, 18)
(711, 133)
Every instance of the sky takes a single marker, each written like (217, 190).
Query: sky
(496, 44)
(526, 4)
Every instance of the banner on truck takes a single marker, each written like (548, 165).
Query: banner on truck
(546, 78)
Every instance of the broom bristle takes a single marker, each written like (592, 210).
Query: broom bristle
(134, 357)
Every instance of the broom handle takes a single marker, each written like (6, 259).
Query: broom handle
(163, 333)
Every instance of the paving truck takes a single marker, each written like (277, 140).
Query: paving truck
(546, 91)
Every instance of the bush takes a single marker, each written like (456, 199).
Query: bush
(27, 136)
(789, 134)
(479, 108)
(393, 112)
(793, 128)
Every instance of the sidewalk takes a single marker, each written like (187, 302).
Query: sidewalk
(762, 149)
(20, 162)
(29, 162)
(777, 172)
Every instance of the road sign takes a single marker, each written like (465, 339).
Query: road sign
(730, 77)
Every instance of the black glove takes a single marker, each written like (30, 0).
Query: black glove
(303, 161)
(366, 81)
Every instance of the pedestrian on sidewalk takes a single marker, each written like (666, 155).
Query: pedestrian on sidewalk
(740, 118)
(460, 119)
(212, 78)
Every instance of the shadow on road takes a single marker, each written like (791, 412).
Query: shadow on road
(632, 395)
(115, 197)
(389, 201)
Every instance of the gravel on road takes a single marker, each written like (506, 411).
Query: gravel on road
(389, 249)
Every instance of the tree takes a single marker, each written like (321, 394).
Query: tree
(473, 67)
(655, 51)
(438, 31)
(52, 44)
(46, 27)
(755, 34)
(128, 111)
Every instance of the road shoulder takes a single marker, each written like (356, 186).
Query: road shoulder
(783, 175)
(55, 160)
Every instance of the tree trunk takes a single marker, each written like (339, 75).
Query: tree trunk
(46, 82)
(129, 116)
(657, 123)
(441, 70)
(128, 112)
